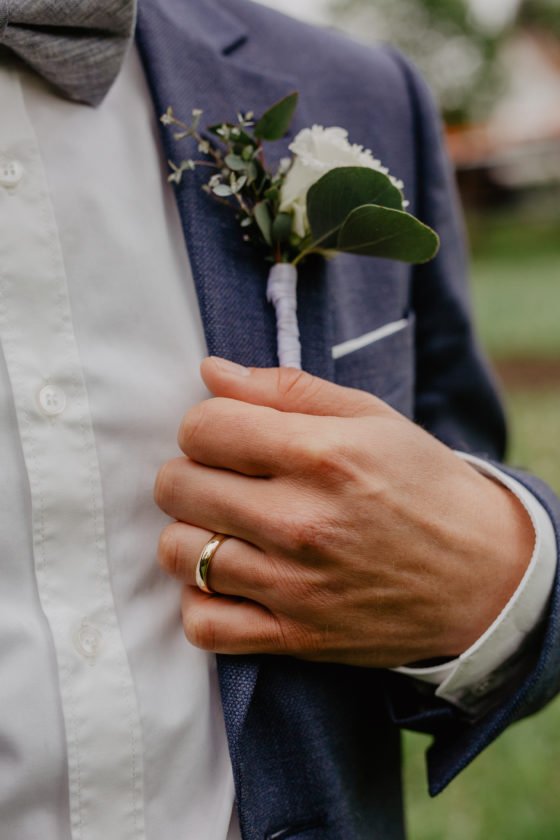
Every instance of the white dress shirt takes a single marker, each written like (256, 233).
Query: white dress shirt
(111, 723)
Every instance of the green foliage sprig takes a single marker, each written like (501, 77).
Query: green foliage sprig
(358, 209)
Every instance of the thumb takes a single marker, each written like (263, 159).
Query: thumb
(285, 389)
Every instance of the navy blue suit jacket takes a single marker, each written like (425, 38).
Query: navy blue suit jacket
(315, 748)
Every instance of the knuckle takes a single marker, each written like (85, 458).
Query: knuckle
(326, 458)
(286, 638)
(199, 629)
(191, 427)
(323, 451)
(161, 484)
(297, 640)
(293, 383)
(306, 535)
(167, 487)
(169, 552)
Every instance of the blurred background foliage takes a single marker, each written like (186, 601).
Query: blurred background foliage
(455, 49)
(541, 13)
(458, 44)
(494, 66)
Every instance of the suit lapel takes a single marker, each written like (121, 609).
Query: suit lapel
(188, 51)
(189, 56)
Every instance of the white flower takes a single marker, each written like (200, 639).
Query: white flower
(177, 173)
(318, 150)
(284, 166)
(168, 118)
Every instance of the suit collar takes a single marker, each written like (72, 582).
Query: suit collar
(202, 21)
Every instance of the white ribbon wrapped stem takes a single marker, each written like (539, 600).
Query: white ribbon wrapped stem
(281, 292)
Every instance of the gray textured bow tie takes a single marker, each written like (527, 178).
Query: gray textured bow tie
(77, 45)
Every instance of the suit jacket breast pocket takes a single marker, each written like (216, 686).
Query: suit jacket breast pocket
(309, 830)
(382, 363)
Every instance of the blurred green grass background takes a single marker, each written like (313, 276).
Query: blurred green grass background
(516, 279)
(512, 791)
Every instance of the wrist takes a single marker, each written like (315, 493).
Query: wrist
(500, 550)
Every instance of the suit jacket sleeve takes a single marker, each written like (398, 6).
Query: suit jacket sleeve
(456, 400)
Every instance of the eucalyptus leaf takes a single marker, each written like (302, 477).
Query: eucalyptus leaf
(252, 172)
(282, 228)
(222, 190)
(375, 231)
(273, 194)
(242, 138)
(263, 220)
(235, 163)
(334, 196)
(275, 122)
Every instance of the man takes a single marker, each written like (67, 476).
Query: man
(358, 542)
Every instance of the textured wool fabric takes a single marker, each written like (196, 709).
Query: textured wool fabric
(78, 47)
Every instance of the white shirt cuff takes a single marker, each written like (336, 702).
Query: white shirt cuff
(480, 670)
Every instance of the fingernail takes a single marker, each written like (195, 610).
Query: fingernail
(230, 368)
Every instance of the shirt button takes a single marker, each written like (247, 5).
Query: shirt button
(52, 400)
(11, 173)
(88, 641)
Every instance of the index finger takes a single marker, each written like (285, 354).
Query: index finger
(249, 439)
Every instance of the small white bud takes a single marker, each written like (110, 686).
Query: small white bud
(168, 118)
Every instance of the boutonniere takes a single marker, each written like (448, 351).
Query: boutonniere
(328, 197)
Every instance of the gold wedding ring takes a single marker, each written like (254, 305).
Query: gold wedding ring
(206, 557)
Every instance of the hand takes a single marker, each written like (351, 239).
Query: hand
(358, 538)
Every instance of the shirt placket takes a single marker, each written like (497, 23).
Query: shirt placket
(100, 709)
